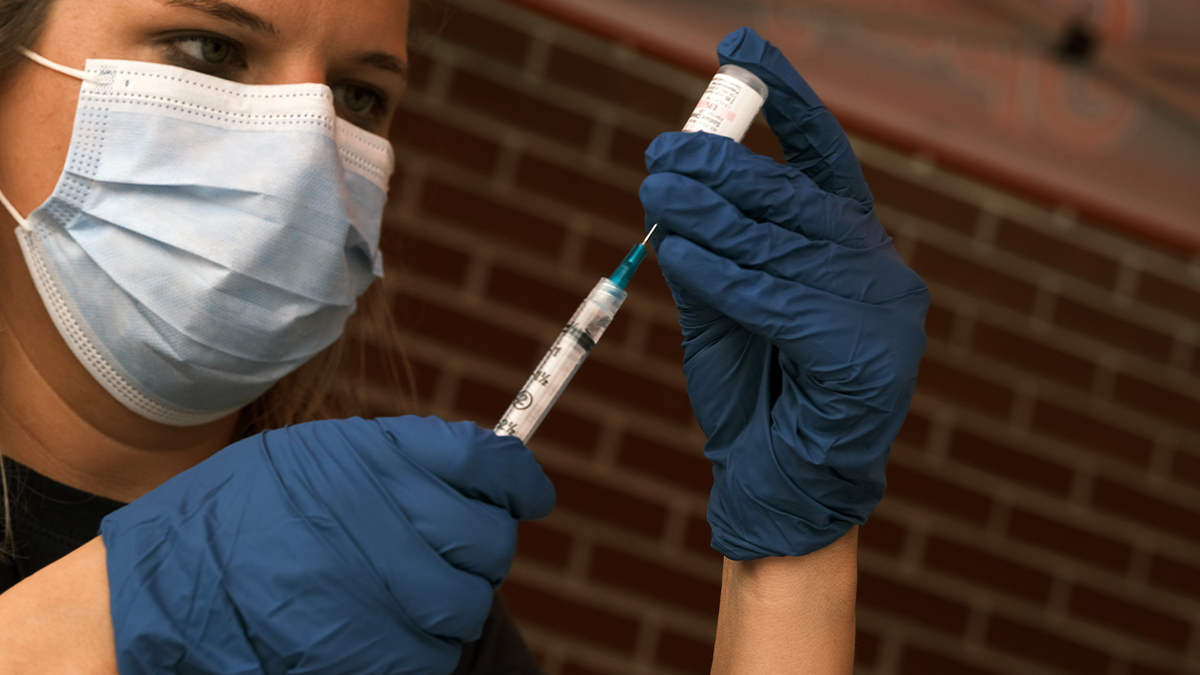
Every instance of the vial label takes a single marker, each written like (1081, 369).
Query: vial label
(727, 108)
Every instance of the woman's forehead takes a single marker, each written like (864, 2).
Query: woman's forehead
(335, 23)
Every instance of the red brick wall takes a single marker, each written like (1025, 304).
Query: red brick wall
(1043, 509)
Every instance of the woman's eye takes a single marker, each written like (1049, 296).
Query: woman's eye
(207, 49)
(360, 100)
(206, 53)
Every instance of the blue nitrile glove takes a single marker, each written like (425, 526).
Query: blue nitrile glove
(344, 546)
(802, 326)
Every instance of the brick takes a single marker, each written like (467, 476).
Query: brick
(1017, 466)
(1169, 295)
(883, 535)
(457, 330)
(569, 617)
(420, 67)
(867, 646)
(961, 388)
(617, 87)
(424, 378)
(1113, 330)
(1068, 540)
(1129, 617)
(543, 544)
(1056, 253)
(519, 109)
(986, 569)
(939, 323)
(1175, 575)
(583, 192)
(1157, 513)
(687, 470)
(539, 656)
(482, 402)
(935, 264)
(665, 342)
(920, 661)
(573, 668)
(396, 184)
(629, 150)
(1032, 356)
(511, 288)
(417, 131)
(1044, 647)
(763, 141)
(570, 431)
(952, 500)
(405, 252)
(1089, 433)
(1165, 404)
(601, 258)
(492, 219)
(697, 538)
(915, 430)
(912, 603)
(1141, 669)
(606, 504)
(684, 653)
(626, 388)
(486, 36)
(645, 578)
(897, 193)
(1186, 467)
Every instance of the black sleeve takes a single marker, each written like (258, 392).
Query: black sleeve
(501, 650)
(8, 578)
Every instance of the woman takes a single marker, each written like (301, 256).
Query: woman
(167, 162)
(70, 424)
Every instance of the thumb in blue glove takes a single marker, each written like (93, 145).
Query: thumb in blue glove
(802, 327)
(343, 546)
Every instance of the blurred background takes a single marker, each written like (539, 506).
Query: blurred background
(1038, 163)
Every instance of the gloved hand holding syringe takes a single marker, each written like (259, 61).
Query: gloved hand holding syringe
(727, 108)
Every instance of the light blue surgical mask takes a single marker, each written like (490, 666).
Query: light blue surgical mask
(206, 237)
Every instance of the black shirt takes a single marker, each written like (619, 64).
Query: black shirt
(49, 520)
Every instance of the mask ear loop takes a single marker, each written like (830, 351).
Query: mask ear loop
(73, 72)
(12, 210)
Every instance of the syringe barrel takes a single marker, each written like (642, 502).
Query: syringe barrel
(559, 364)
(730, 103)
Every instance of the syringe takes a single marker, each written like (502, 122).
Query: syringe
(727, 108)
(569, 350)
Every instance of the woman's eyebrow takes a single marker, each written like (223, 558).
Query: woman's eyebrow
(383, 61)
(227, 12)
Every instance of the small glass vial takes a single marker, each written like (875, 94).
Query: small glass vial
(730, 103)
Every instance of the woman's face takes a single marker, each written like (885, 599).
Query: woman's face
(357, 47)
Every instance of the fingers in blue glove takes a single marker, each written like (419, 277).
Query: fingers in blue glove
(499, 470)
(760, 188)
(812, 139)
(685, 208)
(335, 546)
(835, 340)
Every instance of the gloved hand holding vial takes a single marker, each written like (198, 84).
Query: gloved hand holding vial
(802, 331)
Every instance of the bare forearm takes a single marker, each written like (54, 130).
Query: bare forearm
(789, 615)
(57, 621)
